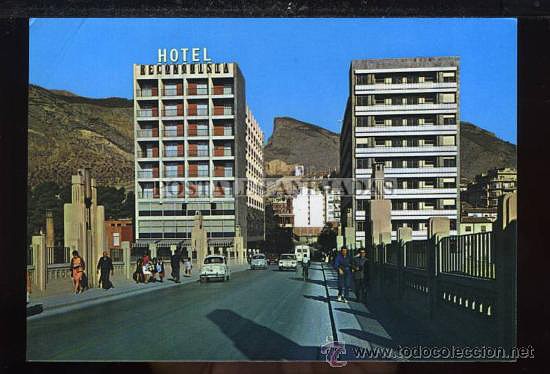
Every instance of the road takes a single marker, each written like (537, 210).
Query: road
(257, 315)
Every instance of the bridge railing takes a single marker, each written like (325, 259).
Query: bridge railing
(468, 278)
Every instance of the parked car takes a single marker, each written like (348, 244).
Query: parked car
(259, 261)
(215, 267)
(288, 261)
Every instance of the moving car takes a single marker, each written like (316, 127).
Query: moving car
(215, 267)
(258, 261)
(288, 261)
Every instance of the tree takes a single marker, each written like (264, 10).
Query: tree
(327, 238)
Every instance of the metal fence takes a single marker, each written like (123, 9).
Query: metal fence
(470, 255)
(117, 254)
(416, 254)
(58, 255)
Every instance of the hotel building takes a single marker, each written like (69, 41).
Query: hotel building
(486, 189)
(403, 112)
(255, 189)
(196, 142)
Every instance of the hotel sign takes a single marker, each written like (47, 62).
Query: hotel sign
(184, 61)
(183, 55)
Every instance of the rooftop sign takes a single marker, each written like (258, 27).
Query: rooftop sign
(183, 55)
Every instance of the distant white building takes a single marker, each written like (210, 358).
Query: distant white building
(309, 214)
(298, 170)
(309, 208)
(331, 198)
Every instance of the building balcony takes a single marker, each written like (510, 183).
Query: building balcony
(173, 153)
(171, 92)
(414, 193)
(198, 174)
(172, 133)
(145, 174)
(406, 130)
(220, 173)
(442, 150)
(383, 88)
(222, 111)
(172, 112)
(169, 173)
(219, 90)
(147, 93)
(148, 195)
(197, 132)
(147, 113)
(406, 108)
(423, 213)
(197, 112)
(151, 153)
(223, 131)
(412, 172)
(197, 91)
(222, 152)
(198, 153)
(148, 133)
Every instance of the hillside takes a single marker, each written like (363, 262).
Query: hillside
(295, 142)
(67, 132)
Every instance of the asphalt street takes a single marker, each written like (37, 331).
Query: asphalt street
(257, 315)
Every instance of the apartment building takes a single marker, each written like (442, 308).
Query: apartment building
(404, 113)
(255, 188)
(488, 187)
(191, 142)
(309, 214)
(331, 196)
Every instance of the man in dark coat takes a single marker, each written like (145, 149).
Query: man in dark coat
(105, 268)
(175, 260)
(342, 264)
(359, 269)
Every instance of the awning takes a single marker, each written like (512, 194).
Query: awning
(143, 243)
(220, 242)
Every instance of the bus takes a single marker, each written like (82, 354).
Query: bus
(300, 250)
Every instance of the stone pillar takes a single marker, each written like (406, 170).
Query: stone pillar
(127, 259)
(153, 250)
(505, 255)
(41, 265)
(199, 239)
(438, 227)
(50, 231)
(404, 235)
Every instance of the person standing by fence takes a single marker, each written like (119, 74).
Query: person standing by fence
(105, 267)
(342, 264)
(77, 270)
(359, 268)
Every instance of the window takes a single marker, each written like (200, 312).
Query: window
(360, 225)
(468, 228)
(116, 239)
(449, 76)
(448, 98)
(449, 162)
(362, 79)
(483, 228)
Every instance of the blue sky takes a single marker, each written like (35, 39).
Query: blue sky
(292, 67)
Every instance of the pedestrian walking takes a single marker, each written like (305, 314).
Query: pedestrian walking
(359, 268)
(175, 260)
(138, 274)
(305, 267)
(105, 268)
(159, 267)
(342, 264)
(77, 269)
(188, 266)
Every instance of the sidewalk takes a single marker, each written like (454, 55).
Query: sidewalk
(68, 301)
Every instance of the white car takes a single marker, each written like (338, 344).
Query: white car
(288, 261)
(215, 267)
(258, 261)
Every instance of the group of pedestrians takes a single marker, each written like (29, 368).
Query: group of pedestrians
(351, 269)
(105, 269)
(148, 269)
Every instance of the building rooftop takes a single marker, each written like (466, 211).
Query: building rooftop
(405, 62)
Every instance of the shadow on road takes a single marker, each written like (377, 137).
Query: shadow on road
(257, 342)
(356, 312)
